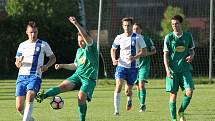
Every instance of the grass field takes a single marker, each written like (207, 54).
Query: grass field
(201, 108)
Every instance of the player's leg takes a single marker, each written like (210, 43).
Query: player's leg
(21, 86)
(29, 105)
(117, 92)
(119, 76)
(32, 88)
(20, 104)
(85, 93)
(67, 85)
(142, 93)
(188, 85)
(172, 105)
(143, 74)
(131, 78)
(128, 93)
(172, 85)
(82, 105)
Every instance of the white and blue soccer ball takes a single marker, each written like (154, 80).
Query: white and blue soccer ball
(57, 102)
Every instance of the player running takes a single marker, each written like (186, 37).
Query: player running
(143, 68)
(178, 54)
(132, 47)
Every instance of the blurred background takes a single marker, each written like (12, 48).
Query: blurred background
(51, 17)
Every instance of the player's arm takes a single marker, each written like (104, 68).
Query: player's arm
(87, 38)
(191, 55)
(70, 66)
(142, 52)
(166, 64)
(18, 61)
(152, 49)
(52, 60)
(165, 58)
(113, 56)
(152, 52)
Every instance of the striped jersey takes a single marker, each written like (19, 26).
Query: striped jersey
(33, 53)
(130, 45)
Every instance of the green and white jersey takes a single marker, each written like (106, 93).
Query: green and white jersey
(178, 49)
(86, 61)
(145, 60)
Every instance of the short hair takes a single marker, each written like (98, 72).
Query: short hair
(31, 24)
(128, 19)
(177, 17)
(137, 24)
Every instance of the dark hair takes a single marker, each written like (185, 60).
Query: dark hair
(128, 19)
(31, 24)
(177, 17)
(137, 24)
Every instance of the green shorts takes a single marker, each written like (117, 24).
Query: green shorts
(184, 80)
(85, 85)
(143, 74)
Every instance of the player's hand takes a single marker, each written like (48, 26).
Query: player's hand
(43, 68)
(115, 62)
(18, 62)
(72, 19)
(189, 59)
(58, 66)
(168, 74)
(131, 58)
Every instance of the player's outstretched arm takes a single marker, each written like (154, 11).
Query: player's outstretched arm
(70, 66)
(88, 39)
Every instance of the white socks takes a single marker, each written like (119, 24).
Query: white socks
(28, 111)
(116, 102)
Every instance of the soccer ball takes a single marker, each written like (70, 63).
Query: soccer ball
(57, 102)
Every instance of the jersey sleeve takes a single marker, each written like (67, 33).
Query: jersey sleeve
(48, 50)
(116, 42)
(141, 42)
(165, 47)
(19, 51)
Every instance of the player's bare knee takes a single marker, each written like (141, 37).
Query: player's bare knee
(66, 86)
(81, 99)
(189, 92)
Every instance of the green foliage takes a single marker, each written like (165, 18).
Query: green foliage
(168, 14)
(51, 17)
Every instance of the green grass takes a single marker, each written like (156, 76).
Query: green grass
(101, 108)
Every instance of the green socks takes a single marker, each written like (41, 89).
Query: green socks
(82, 108)
(52, 92)
(142, 96)
(172, 108)
(185, 102)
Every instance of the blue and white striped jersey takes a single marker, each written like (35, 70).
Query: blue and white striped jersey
(33, 53)
(130, 45)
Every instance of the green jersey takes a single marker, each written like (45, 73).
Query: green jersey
(178, 49)
(145, 61)
(86, 61)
